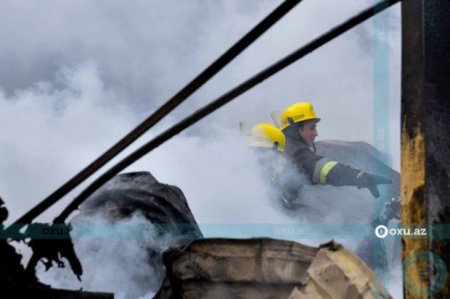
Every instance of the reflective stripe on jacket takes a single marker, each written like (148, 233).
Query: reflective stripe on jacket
(319, 169)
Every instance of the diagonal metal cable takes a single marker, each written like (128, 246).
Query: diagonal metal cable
(171, 104)
(224, 99)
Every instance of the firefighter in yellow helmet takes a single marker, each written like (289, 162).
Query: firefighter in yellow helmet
(269, 143)
(299, 125)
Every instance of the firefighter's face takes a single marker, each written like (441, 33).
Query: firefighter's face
(309, 132)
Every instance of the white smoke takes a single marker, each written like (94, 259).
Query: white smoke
(78, 79)
(116, 257)
(53, 128)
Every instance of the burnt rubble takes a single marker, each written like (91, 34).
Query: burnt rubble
(266, 268)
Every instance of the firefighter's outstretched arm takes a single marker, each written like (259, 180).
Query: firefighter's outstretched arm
(325, 171)
(336, 174)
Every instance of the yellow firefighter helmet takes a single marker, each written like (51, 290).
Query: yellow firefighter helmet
(266, 135)
(297, 113)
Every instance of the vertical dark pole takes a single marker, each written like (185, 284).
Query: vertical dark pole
(426, 145)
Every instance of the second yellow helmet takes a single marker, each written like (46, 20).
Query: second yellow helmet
(266, 135)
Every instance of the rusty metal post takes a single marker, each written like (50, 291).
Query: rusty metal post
(426, 145)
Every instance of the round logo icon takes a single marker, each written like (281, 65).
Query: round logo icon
(416, 272)
(381, 231)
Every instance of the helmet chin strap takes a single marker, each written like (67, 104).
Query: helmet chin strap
(314, 147)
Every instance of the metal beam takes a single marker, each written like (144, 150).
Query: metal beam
(426, 145)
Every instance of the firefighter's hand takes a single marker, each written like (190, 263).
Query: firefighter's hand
(371, 182)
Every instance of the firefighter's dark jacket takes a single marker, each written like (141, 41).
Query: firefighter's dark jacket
(320, 170)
